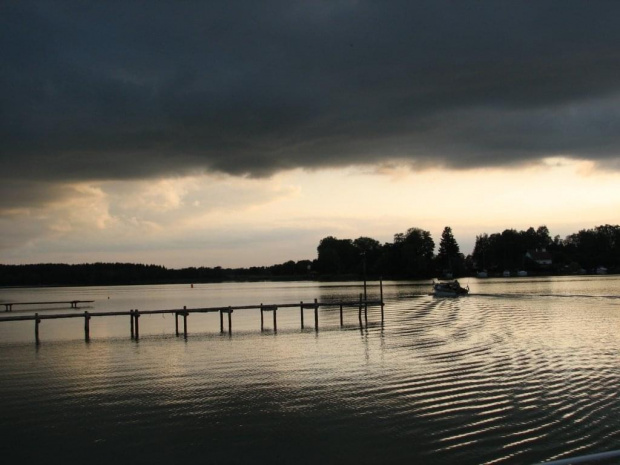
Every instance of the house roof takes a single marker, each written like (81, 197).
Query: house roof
(539, 255)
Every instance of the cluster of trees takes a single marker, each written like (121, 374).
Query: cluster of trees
(410, 255)
(53, 274)
(49, 274)
(507, 250)
(590, 248)
(583, 251)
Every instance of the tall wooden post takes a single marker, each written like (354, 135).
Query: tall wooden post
(301, 312)
(341, 320)
(230, 320)
(365, 292)
(360, 310)
(176, 323)
(381, 291)
(37, 321)
(131, 323)
(261, 317)
(275, 322)
(221, 320)
(185, 322)
(136, 315)
(316, 315)
(86, 326)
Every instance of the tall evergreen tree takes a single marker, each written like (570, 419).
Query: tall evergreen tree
(448, 247)
(449, 257)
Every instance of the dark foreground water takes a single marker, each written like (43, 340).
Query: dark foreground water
(521, 371)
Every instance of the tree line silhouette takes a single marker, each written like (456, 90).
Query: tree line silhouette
(410, 256)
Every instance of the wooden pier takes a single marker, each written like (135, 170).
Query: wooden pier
(135, 314)
(8, 307)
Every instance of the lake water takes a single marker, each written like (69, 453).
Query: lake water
(520, 371)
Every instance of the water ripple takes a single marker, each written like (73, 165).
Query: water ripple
(485, 379)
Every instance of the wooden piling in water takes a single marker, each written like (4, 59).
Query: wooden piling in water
(136, 316)
(262, 326)
(275, 321)
(185, 322)
(360, 309)
(131, 323)
(316, 315)
(301, 312)
(230, 320)
(86, 327)
(341, 320)
(381, 297)
(221, 321)
(37, 321)
(365, 302)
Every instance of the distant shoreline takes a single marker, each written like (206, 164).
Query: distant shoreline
(411, 256)
(284, 279)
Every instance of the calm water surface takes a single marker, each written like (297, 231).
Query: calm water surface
(522, 370)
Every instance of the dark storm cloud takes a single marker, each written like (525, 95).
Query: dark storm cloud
(113, 90)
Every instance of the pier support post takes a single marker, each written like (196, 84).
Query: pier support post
(86, 326)
(230, 320)
(316, 315)
(365, 293)
(360, 310)
(176, 323)
(185, 322)
(37, 321)
(381, 291)
(131, 323)
(136, 316)
(275, 322)
(221, 320)
(301, 312)
(261, 317)
(341, 320)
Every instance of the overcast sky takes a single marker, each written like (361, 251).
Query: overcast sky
(240, 133)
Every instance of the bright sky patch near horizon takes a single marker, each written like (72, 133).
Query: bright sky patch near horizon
(233, 222)
(241, 133)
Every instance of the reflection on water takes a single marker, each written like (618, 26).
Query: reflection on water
(518, 372)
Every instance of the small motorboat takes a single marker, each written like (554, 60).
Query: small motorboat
(449, 289)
